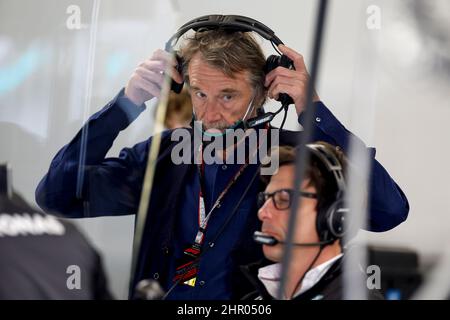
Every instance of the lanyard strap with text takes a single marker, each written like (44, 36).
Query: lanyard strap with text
(203, 218)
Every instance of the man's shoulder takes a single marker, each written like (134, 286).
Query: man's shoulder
(168, 138)
(333, 284)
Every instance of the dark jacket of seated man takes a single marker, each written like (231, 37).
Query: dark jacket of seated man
(315, 269)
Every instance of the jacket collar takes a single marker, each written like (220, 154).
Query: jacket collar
(251, 272)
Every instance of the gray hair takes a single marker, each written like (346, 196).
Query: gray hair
(230, 52)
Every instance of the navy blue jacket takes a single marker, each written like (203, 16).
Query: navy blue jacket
(112, 186)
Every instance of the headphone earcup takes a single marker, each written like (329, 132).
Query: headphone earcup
(273, 62)
(337, 213)
(331, 224)
(175, 86)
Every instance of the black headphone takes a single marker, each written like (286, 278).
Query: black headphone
(232, 23)
(331, 217)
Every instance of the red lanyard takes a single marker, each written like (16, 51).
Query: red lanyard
(203, 218)
(188, 265)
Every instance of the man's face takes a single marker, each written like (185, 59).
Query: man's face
(275, 221)
(218, 100)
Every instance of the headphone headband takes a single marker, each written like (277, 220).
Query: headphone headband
(332, 164)
(226, 22)
(330, 222)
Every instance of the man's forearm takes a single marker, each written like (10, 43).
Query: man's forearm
(62, 187)
(388, 205)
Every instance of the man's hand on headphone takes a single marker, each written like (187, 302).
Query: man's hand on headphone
(147, 79)
(292, 82)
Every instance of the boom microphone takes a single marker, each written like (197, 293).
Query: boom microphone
(264, 238)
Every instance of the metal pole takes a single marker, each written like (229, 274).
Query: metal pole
(302, 152)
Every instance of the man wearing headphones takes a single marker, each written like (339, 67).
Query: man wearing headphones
(315, 266)
(201, 218)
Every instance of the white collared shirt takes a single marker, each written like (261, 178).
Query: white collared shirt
(270, 276)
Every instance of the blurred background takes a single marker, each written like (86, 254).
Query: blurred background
(385, 74)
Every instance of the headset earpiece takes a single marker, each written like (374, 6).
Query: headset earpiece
(175, 86)
(331, 221)
(274, 62)
(336, 216)
(331, 224)
(232, 23)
